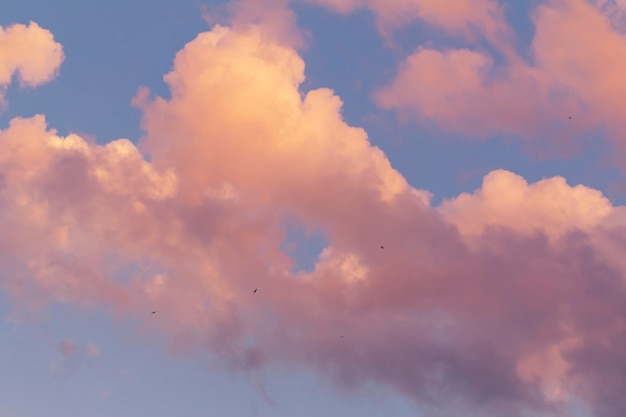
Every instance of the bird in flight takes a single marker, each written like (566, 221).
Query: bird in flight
(570, 117)
(255, 290)
(153, 312)
(382, 247)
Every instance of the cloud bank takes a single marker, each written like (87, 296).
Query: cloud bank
(505, 301)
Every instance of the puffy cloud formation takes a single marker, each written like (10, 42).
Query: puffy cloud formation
(506, 199)
(567, 72)
(31, 52)
(500, 302)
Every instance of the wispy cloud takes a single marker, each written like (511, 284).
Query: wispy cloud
(72, 356)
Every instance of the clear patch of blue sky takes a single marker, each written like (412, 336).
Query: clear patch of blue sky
(304, 246)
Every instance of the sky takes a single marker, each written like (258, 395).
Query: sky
(428, 198)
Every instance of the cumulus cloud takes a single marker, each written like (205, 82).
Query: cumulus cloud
(569, 72)
(30, 52)
(500, 302)
(506, 199)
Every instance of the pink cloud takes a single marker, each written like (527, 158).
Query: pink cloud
(571, 73)
(501, 301)
(470, 19)
(461, 17)
(29, 51)
(72, 355)
(506, 199)
(444, 87)
(92, 350)
(278, 20)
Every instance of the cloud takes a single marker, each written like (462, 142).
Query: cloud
(72, 356)
(505, 199)
(499, 302)
(460, 17)
(279, 22)
(569, 72)
(92, 350)
(469, 19)
(30, 52)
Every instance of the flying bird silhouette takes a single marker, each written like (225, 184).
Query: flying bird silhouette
(382, 247)
(255, 290)
(153, 312)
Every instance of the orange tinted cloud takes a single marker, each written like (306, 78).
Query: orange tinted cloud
(453, 313)
(571, 73)
(30, 52)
